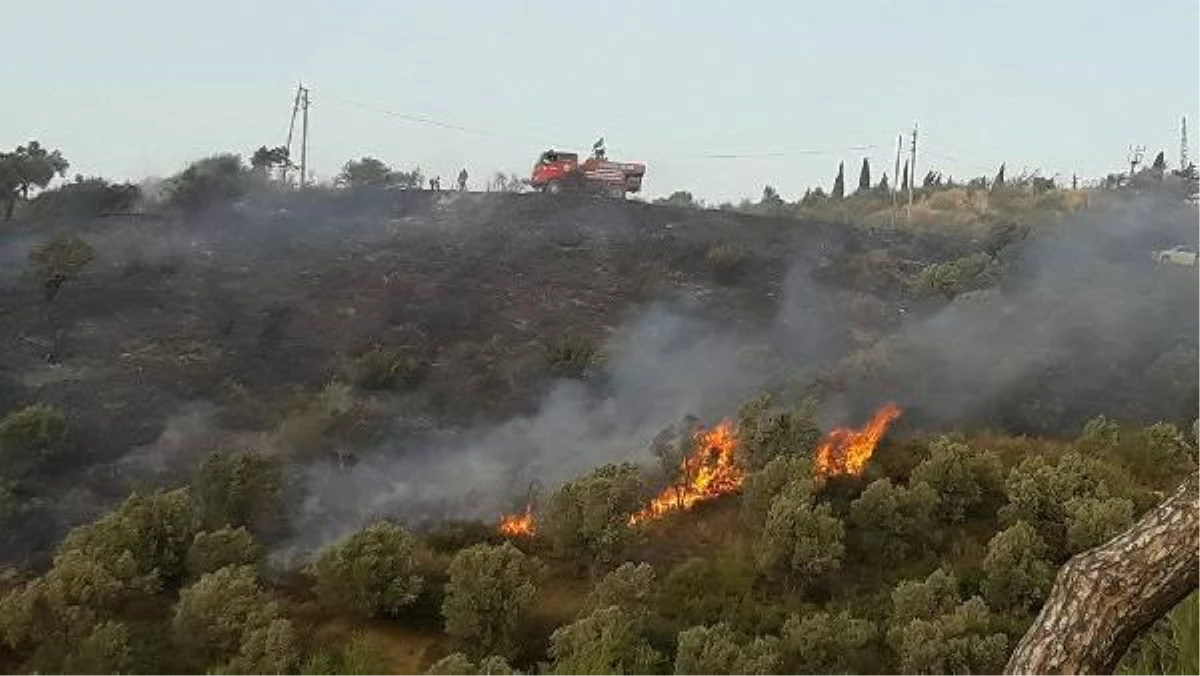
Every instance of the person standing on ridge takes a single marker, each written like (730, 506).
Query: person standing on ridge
(462, 180)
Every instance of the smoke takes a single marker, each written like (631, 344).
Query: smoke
(1080, 327)
(661, 367)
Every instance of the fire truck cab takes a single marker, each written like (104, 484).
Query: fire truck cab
(558, 171)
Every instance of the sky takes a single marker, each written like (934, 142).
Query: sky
(130, 89)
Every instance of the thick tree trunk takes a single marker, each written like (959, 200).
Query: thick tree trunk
(1104, 597)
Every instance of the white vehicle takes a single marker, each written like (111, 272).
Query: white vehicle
(1177, 255)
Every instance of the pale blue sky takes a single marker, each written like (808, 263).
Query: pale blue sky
(134, 88)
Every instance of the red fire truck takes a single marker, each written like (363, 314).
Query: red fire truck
(558, 171)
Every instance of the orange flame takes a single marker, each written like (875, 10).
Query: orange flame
(709, 471)
(847, 451)
(519, 524)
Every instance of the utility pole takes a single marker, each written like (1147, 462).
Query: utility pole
(283, 175)
(912, 165)
(1183, 158)
(303, 136)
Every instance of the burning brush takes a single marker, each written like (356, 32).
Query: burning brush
(711, 470)
(846, 451)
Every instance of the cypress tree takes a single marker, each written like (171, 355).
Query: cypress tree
(839, 183)
(864, 177)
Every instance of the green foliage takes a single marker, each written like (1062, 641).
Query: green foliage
(225, 617)
(1093, 521)
(29, 438)
(213, 550)
(821, 643)
(786, 472)
(488, 597)
(458, 663)
(927, 599)
(767, 430)
(1100, 436)
(59, 259)
(1017, 571)
(383, 369)
(968, 483)
(369, 573)
(608, 641)
(205, 182)
(1038, 494)
(956, 277)
(839, 183)
(240, 489)
(266, 158)
(718, 649)
(799, 544)
(106, 650)
(700, 591)
(961, 642)
(1157, 453)
(359, 655)
(1169, 646)
(889, 522)
(571, 356)
(273, 648)
(85, 197)
(589, 516)
(152, 533)
(630, 587)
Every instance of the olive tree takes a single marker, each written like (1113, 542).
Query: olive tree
(226, 617)
(631, 587)
(458, 663)
(1039, 494)
(799, 543)
(240, 489)
(718, 649)
(761, 487)
(967, 482)
(961, 642)
(823, 643)
(1018, 572)
(608, 641)
(213, 550)
(488, 597)
(589, 516)
(767, 430)
(926, 599)
(369, 573)
(888, 522)
(30, 437)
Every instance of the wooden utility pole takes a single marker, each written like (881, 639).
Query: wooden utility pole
(912, 165)
(283, 175)
(1183, 154)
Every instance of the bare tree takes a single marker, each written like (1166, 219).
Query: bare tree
(1104, 597)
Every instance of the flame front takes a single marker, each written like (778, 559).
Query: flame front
(519, 524)
(847, 451)
(709, 471)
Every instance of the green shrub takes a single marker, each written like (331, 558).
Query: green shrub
(608, 641)
(29, 438)
(59, 259)
(822, 643)
(488, 598)
(968, 483)
(240, 489)
(571, 356)
(383, 369)
(359, 655)
(85, 197)
(370, 573)
(726, 261)
(213, 550)
(767, 430)
(1017, 570)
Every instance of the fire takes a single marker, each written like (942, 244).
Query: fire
(847, 451)
(709, 471)
(519, 524)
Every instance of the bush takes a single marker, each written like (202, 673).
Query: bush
(791, 473)
(629, 587)
(961, 642)
(204, 183)
(59, 259)
(927, 599)
(383, 369)
(589, 516)
(220, 613)
(571, 356)
(698, 591)
(1018, 574)
(359, 655)
(717, 649)
(889, 522)
(767, 431)
(799, 544)
(458, 663)
(213, 550)
(369, 573)
(240, 489)
(608, 641)
(956, 277)
(29, 438)
(1093, 521)
(822, 643)
(1038, 494)
(968, 483)
(488, 598)
(726, 262)
(83, 198)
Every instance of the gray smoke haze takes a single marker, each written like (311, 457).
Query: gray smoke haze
(1084, 323)
(661, 368)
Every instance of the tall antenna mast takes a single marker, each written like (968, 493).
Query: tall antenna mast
(291, 128)
(304, 136)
